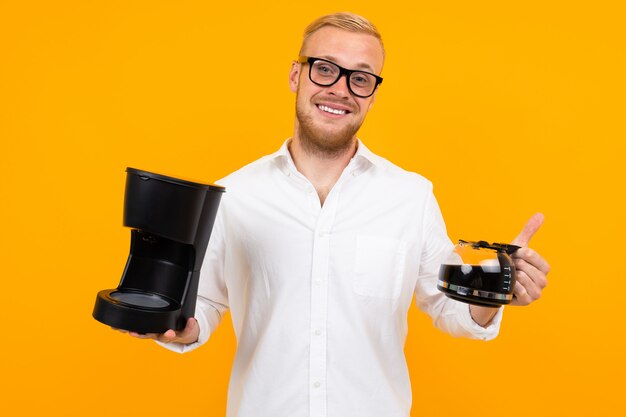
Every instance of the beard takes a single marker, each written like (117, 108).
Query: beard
(321, 142)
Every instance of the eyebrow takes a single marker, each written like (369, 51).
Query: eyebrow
(360, 66)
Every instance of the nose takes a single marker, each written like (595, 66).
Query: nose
(340, 88)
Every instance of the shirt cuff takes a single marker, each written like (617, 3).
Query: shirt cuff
(475, 330)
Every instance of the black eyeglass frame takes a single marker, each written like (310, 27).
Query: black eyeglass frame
(342, 71)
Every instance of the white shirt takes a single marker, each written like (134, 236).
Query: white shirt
(319, 295)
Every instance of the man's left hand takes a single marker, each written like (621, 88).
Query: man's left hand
(531, 268)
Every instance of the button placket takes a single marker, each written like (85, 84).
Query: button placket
(319, 303)
(319, 298)
(319, 310)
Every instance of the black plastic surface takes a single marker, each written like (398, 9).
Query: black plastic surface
(477, 285)
(507, 248)
(116, 313)
(169, 207)
(171, 223)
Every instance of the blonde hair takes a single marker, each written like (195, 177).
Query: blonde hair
(346, 21)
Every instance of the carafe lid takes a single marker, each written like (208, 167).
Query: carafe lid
(499, 247)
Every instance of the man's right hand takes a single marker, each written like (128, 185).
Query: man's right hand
(188, 335)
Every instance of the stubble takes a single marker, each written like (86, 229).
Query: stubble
(315, 140)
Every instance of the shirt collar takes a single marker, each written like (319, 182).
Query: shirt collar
(362, 159)
(364, 154)
(283, 159)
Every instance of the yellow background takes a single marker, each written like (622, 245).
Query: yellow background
(508, 107)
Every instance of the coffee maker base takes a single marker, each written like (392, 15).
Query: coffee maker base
(138, 311)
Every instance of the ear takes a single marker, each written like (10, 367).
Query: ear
(294, 76)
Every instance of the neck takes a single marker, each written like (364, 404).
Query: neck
(322, 170)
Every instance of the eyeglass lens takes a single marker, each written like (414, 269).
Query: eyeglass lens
(325, 73)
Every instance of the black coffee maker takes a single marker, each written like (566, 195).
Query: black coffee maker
(171, 221)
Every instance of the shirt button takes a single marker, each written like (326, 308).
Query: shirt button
(318, 282)
(318, 332)
(316, 384)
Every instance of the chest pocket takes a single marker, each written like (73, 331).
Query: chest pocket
(379, 265)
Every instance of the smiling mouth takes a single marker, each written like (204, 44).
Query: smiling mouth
(331, 110)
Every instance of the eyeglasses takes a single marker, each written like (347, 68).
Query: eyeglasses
(326, 73)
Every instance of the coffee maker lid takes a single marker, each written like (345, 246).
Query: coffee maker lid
(146, 175)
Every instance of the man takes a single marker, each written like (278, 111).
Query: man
(319, 249)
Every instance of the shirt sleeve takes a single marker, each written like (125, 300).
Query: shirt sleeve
(448, 315)
(212, 300)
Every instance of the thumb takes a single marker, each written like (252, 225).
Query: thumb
(529, 230)
(191, 331)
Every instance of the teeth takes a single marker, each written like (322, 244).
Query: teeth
(331, 110)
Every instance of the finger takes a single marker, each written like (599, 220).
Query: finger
(533, 258)
(190, 333)
(168, 336)
(520, 295)
(530, 287)
(529, 230)
(144, 335)
(536, 275)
